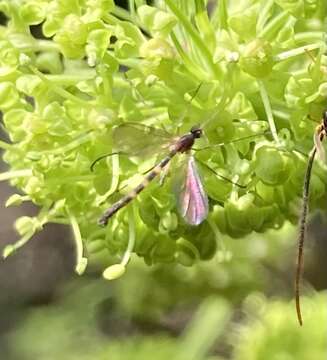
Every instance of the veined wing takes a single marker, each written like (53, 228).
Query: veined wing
(193, 201)
(138, 139)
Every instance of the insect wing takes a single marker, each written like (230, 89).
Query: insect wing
(193, 201)
(320, 150)
(138, 139)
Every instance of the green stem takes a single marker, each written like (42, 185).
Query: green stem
(15, 174)
(68, 80)
(39, 45)
(5, 146)
(282, 114)
(131, 8)
(207, 56)
(267, 106)
(195, 70)
(273, 26)
(131, 235)
(296, 52)
(262, 17)
(122, 13)
(82, 139)
(81, 262)
(114, 180)
(310, 36)
(11, 248)
(58, 90)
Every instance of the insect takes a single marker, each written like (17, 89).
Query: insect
(192, 199)
(320, 134)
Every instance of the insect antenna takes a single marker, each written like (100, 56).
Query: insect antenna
(104, 157)
(302, 231)
(267, 132)
(221, 176)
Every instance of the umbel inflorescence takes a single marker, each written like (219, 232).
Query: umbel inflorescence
(261, 67)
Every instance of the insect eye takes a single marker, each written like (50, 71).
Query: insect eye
(196, 132)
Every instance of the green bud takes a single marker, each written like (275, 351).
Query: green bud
(72, 37)
(32, 13)
(35, 125)
(96, 9)
(8, 250)
(168, 222)
(186, 252)
(129, 40)
(54, 120)
(25, 224)
(8, 59)
(265, 192)
(97, 44)
(244, 22)
(81, 266)
(14, 120)
(222, 130)
(15, 200)
(114, 272)
(157, 48)
(29, 84)
(149, 215)
(24, 60)
(256, 58)
(273, 167)
(157, 21)
(9, 96)
(237, 212)
(217, 188)
(49, 62)
(241, 108)
(33, 185)
(151, 80)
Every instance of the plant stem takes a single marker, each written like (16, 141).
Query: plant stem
(269, 113)
(207, 56)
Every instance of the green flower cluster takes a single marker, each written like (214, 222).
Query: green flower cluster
(261, 66)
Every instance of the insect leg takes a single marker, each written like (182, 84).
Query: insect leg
(221, 176)
(103, 157)
(164, 174)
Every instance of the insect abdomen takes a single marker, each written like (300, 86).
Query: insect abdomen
(132, 194)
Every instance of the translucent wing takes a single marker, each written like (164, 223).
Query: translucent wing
(318, 144)
(138, 139)
(193, 201)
